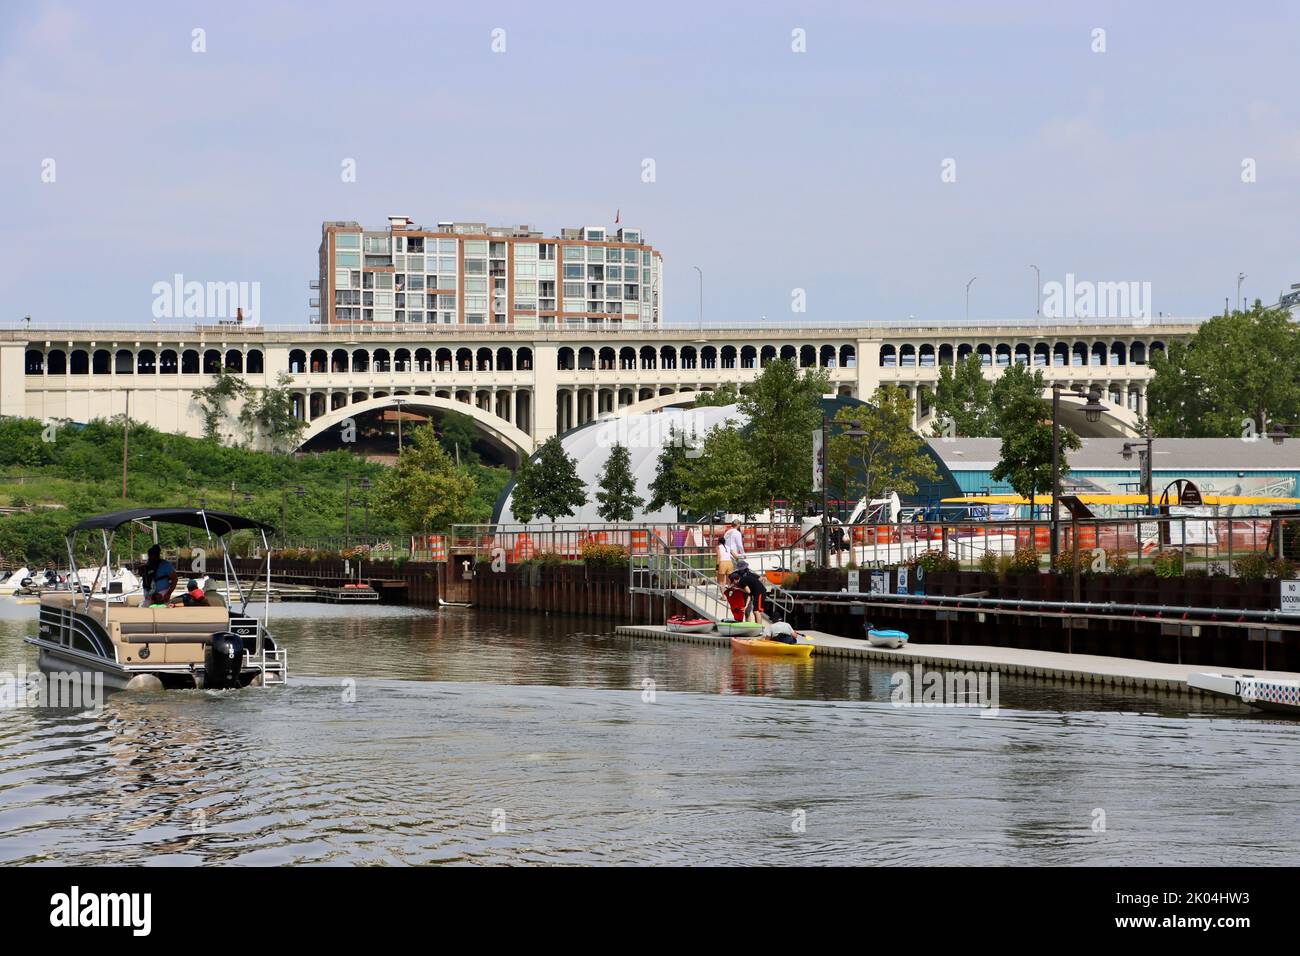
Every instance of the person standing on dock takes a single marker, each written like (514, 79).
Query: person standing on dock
(735, 543)
(724, 561)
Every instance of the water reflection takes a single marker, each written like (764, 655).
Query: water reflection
(406, 735)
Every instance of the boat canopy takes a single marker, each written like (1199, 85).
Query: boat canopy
(218, 522)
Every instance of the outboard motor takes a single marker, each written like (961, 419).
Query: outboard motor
(26, 582)
(223, 661)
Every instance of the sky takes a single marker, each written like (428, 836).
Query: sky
(1125, 155)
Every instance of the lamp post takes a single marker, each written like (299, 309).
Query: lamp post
(1240, 276)
(701, 272)
(1145, 466)
(301, 492)
(364, 485)
(854, 431)
(399, 428)
(1038, 291)
(968, 284)
(1092, 411)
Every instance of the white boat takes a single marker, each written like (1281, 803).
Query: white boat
(14, 582)
(110, 634)
(883, 637)
(1262, 693)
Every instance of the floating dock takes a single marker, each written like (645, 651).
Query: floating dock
(1118, 672)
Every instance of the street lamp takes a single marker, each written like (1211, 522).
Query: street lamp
(1145, 465)
(1092, 411)
(854, 431)
(1038, 291)
(701, 272)
(399, 428)
(972, 279)
(301, 492)
(1240, 277)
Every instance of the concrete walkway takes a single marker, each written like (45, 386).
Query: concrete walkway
(1071, 668)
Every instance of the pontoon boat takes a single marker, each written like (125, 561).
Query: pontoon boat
(139, 646)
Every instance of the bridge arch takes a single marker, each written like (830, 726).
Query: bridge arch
(513, 441)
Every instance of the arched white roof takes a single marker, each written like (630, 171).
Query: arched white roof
(644, 436)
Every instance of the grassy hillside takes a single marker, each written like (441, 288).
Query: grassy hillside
(80, 472)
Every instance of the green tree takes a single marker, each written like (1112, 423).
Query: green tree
(784, 409)
(1025, 426)
(458, 434)
(523, 502)
(1238, 372)
(424, 491)
(270, 412)
(889, 457)
(724, 477)
(723, 395)
(553, 487)
(964, 397)
(213, 401)
(617, 497)
(672, 481)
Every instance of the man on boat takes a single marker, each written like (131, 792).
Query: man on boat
(159, 578)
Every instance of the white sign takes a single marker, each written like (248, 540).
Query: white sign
(1290, 603)
(854, 582)
(879, 582)
(902, 581)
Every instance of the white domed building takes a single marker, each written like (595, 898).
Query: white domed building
(645, 436)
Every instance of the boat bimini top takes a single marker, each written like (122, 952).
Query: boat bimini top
(214, 524)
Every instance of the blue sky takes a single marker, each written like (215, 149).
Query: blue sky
(775, 170)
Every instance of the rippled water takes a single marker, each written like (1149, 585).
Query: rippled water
(492, 739)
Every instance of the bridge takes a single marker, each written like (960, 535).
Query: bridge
(522, 385)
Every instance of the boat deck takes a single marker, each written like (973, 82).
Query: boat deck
(1052, 665)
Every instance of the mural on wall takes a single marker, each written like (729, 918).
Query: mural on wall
(1261, 485)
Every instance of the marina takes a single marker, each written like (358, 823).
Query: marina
(483, 711)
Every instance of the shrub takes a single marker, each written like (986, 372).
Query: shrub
(1168, 564)
(1281, 568)
(934, 561)
(1251, 567)
(1024, 561)
(1143, 571)
(1115, 562)
(604, 555)
(988, 562)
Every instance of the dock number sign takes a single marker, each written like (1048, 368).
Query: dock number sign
(1290, 603)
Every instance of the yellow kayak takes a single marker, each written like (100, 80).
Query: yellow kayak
(763, 646)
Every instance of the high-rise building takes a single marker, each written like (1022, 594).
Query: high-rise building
(470, 273)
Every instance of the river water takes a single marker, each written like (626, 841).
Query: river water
(412, 736)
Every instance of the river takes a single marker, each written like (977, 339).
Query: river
(410, 736)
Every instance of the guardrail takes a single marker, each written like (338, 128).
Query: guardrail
(19, 330)
(1195, 540)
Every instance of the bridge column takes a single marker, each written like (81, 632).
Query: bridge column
(544, 402)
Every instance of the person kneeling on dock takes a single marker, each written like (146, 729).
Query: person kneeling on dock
(749, 582)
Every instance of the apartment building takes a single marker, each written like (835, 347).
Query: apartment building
(470, 273)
